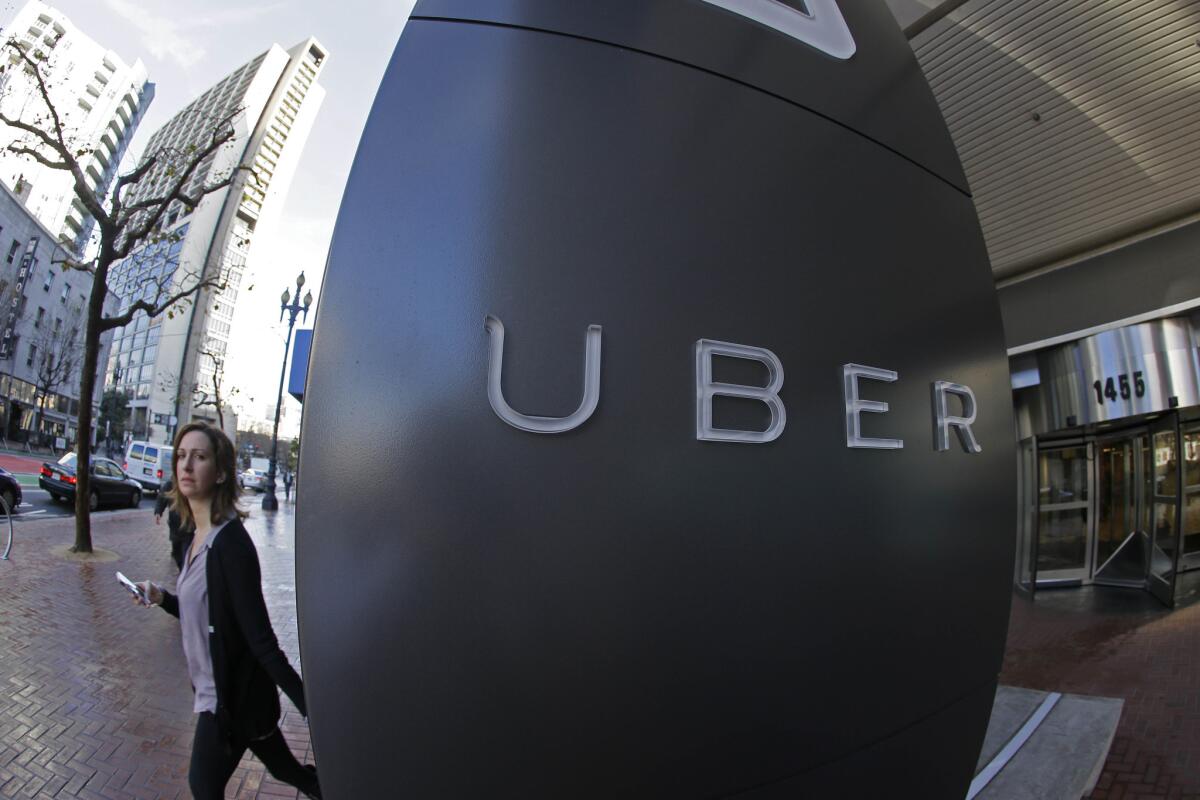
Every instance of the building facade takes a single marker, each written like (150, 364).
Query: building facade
(1080, 153)
(172, 365)
(42, 314)
(100, 100)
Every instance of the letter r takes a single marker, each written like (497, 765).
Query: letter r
(943, 421)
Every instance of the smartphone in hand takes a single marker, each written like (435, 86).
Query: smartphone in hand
(134, 589)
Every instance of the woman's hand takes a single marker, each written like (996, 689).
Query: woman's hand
(151, 590)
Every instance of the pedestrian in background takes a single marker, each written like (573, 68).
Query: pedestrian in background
(233, 657)
(174, 534)
(287, 485)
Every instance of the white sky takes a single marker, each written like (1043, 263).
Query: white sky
(187, 46)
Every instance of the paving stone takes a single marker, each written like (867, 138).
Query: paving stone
(95, 702)
(102, 686)
(1119, 643)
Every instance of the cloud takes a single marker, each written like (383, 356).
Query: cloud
(165, 36)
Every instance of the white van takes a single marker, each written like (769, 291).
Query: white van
(149, 464)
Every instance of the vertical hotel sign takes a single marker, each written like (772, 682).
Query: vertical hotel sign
(18, 293)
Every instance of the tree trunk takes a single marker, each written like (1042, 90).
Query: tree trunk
(38, 412)
(87, 388)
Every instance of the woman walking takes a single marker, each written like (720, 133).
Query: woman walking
(233, 657)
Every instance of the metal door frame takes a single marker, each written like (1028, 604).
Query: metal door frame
(1075, 576)
(1186, 427)
(1139, 436)
(1163, 589)
(1027, 515)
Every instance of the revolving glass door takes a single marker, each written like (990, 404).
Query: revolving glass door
(1163, 494)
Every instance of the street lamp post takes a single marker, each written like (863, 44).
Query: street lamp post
(291, 306)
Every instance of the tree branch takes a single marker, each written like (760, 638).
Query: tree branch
(21, 150)
(57, 143)
(154, 309)
(129, 179)
(222, 133)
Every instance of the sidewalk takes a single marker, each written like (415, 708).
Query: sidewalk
(1120, 643)
(94, 694)
(95, 701)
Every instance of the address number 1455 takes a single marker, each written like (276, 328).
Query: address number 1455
(1120, 388)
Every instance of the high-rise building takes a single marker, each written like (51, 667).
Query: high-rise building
(99, 99)
(170, 365)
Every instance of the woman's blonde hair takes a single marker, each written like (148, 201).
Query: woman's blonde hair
(225, 495)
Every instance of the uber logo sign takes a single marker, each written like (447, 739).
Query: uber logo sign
(754, 536)
(707, 388)
(819, 25)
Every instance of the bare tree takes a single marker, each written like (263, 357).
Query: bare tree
(162, 180)
(201, 397)
(213, 393)
(57, 354)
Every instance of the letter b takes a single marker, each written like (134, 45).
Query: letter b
(707, 389)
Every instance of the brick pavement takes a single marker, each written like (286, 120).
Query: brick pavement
(94, 695)
(1120, 643)
(95, 702)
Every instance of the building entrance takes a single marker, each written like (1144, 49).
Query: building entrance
(1120, 508)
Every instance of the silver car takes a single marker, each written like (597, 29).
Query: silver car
(254, 479)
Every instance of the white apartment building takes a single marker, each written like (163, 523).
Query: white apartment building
(167, 364)
(100, 100)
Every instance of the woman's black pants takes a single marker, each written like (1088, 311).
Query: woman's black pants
(214, 758)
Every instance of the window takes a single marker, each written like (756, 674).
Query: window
(12, 250)
(32, 355)
(66, 292)
(37, 321)
(49, 280)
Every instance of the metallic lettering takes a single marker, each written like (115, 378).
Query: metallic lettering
(707, 389)
(855, 406)
(943, 421)
(535, 424)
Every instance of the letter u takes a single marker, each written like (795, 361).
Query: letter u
(529, 422)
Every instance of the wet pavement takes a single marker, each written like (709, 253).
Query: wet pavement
(95, 701)
(94, 693)
(1120, 643)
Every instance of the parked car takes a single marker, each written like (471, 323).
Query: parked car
(149, 464)
(110, 484)
(10, 490)
(254, 479)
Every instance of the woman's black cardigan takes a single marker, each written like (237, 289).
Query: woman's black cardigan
(247, 661)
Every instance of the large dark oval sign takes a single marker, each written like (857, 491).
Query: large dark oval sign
(658, 441)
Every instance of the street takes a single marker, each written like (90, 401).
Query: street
(37, 503)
